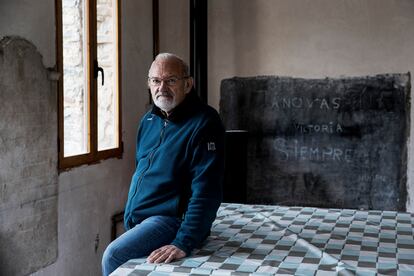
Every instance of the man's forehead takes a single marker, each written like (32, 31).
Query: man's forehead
(166, 67)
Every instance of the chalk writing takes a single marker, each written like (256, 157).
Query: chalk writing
(292, 150)
(371, 178)
(319, 128)
(303, 103)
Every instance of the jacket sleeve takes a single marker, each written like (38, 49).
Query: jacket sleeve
(207, 171)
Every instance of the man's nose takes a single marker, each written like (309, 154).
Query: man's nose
(163, 85)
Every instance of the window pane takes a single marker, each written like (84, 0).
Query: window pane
(75, 88)
(107, 52)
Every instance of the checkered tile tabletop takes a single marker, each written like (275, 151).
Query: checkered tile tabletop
(276, 240)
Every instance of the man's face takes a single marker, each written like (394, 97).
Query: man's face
(167, 83)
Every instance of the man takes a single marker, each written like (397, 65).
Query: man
(176, 188)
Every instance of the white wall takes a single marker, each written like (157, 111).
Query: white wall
(89, 195)
(311, 38)
(174, 22)
(308, 38)
(32, 20)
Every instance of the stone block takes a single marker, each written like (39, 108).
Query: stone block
(323, 142)
(28, 160)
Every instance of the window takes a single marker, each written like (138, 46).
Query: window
(88, 58)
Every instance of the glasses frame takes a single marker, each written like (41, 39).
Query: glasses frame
(170, 81)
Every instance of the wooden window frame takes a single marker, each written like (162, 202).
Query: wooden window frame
(94, 156)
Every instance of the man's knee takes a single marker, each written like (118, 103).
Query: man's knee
(111, 259)
(107, 255)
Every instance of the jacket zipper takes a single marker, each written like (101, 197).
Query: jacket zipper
(150, 159)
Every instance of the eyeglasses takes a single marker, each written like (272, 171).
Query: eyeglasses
(172, 81)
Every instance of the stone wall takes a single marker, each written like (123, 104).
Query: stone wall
(74, 84)
(28, 160)
(107, 96)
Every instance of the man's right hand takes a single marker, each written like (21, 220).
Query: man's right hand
(166, 254)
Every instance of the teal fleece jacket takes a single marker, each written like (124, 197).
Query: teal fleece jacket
(179, 170)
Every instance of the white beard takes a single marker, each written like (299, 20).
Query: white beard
(165, 104)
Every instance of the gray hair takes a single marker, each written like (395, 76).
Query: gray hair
(167, 56)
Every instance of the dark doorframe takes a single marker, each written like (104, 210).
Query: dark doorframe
(198, 43)
(155, 28)
(155, 35)
(198, 46)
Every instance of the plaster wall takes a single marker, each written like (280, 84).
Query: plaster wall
(174, 22)
(32, 20)
(89, 195)
(311, 39)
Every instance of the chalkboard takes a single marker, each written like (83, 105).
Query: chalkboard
(332, 142)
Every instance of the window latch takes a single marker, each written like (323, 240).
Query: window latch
(97, 69)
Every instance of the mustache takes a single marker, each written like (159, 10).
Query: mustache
(163, 93)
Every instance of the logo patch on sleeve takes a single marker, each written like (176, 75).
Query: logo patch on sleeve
(211, 146)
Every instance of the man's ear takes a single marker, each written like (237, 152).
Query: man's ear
(188, 84)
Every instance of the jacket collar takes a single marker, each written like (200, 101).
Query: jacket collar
(185, 109)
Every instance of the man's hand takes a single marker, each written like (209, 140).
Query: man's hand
(166, 254)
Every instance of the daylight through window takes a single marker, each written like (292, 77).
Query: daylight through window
(89, 99)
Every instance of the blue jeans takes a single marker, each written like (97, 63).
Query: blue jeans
(152, 233)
